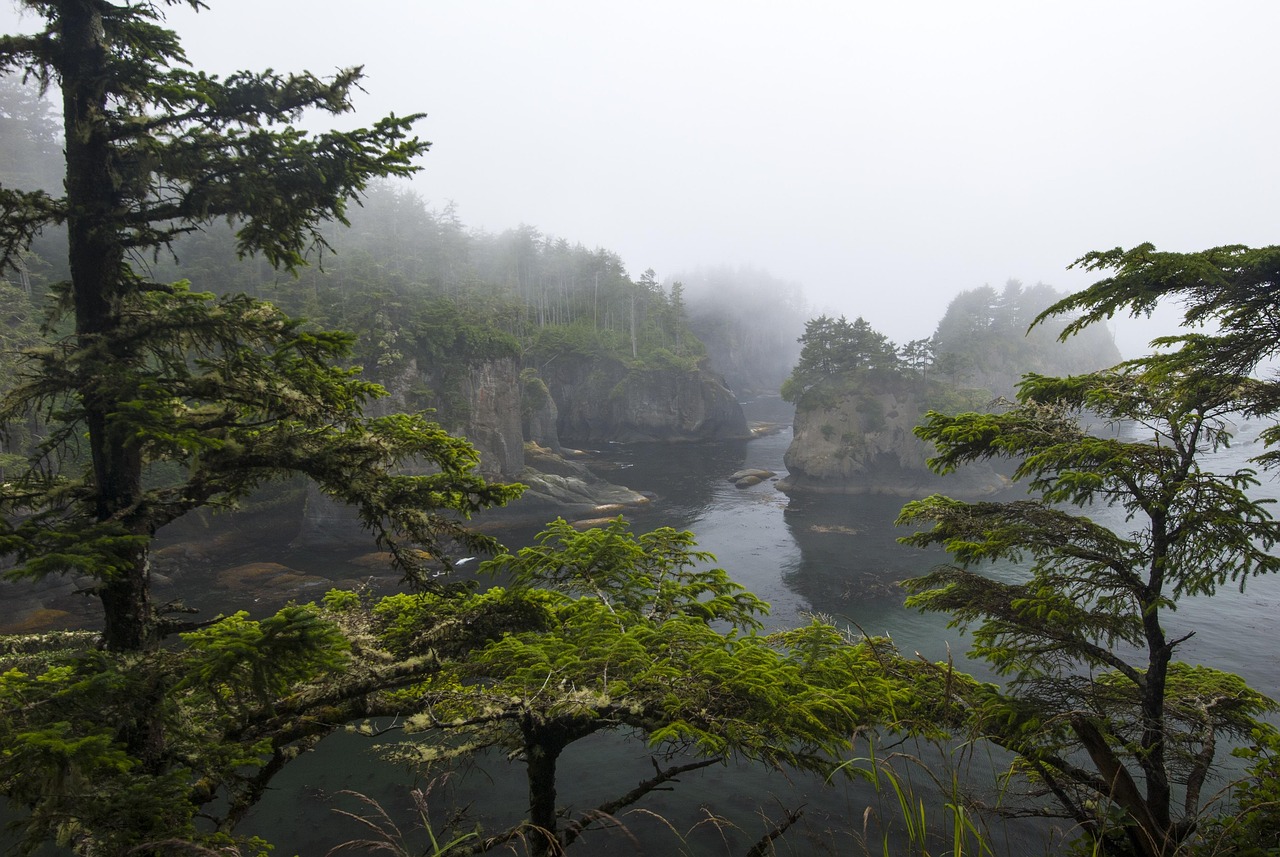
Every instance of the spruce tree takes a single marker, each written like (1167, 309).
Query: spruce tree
(139, 380)
(1097, 701)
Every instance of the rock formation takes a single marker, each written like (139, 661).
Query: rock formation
(604, 400)
(862, 443)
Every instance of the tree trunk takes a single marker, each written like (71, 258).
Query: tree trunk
(541, 771)
(129, 623)
(634, 350)
(95, 256)
(1148, 836)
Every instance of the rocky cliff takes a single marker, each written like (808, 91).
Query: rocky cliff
(505, 412)
(602, 400)
(477, 399)
(862, 443)
(489, 391)
(490, 403)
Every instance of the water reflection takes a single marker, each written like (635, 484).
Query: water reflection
(849, 553)
(684, 479)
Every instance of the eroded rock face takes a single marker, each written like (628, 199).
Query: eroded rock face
(491, 391)
(493, 406)
(539, 416)
(602, 400)
(863, 444)
(480, 403)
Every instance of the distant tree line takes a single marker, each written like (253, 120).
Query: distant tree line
(401, 272)
(985, 340)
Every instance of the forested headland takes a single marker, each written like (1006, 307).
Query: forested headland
(859, 396)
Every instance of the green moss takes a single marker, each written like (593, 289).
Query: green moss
(534, 394)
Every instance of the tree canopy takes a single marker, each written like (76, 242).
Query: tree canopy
(1228, 295)
(1096, 703)
(837, 347)
(160, 379)
(635, 633)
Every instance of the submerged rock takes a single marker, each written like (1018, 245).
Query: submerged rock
(269, 585)
(752, 477)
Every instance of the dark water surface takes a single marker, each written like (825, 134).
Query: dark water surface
(829, 554)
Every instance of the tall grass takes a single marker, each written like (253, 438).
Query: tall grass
(903, 822)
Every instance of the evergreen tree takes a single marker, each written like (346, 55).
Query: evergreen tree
(148, 373)
(1096, 703)
(835, 347)
(1229, 301)
(633, 633)
(30, 139)
(1230, 290)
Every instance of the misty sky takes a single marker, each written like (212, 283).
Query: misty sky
(884, 155)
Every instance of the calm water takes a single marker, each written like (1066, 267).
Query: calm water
(832, 554)
(828, 554)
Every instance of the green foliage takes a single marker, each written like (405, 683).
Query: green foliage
(949, 399)
(1231, 287)
(662, 360)
(651, 577)
(983, 340)
(1250, 826)
(1082, 640)
(449, 331)
(415, 624)
(1229, 290)
(245, 662)
(635, 632)
(892, 777)
(582, 340)
(112, 751)
(579, 339)
(105, 752)
(836, 349)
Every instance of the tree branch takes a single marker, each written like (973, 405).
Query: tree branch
(610, 808)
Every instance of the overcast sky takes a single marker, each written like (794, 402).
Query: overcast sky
(884, 155)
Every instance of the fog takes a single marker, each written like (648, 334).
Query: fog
(885, 156)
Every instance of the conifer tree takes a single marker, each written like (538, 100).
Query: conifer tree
(631, 633)
(229, 392)
(1097, 702)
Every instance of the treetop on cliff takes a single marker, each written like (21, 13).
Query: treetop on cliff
(834, 347)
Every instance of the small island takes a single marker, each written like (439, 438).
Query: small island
(859, 396)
